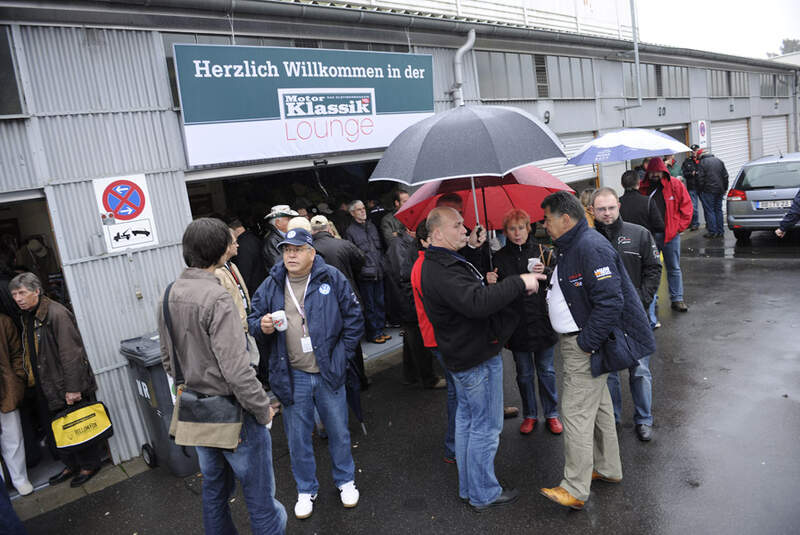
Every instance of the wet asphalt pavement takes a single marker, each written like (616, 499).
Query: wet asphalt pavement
(724, 458)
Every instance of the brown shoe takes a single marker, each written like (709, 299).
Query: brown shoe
(597, 475)
(562, 497)
(510, 412)
(680, 306)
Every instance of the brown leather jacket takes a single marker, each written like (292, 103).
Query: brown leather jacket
(61, 360)
(12, 373)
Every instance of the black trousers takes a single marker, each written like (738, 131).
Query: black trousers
(417, 359)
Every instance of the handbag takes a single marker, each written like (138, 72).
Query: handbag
(81, 425)
(199, 419)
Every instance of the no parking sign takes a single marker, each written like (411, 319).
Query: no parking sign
(126, 211)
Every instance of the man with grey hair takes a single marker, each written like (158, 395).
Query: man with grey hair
(639, 254)
(471, 323)
(57, 370)
(364, 235)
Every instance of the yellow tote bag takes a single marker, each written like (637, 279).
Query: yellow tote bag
(79, 426)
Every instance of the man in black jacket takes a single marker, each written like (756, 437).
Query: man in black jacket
(471, 322)
(638, 209)
(364, 235)
(690, 169)
(248, 258)
(637, 249)
(277, 225)
(714, 187)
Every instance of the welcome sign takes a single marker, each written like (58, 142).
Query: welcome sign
(243, 103)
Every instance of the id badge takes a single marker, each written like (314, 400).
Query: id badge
(305, 343)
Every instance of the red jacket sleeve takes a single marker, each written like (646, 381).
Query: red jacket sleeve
(684, 203)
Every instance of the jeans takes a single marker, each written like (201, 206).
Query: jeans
(452, 406)
(375, 315)
(10, 522)
(312, 392)
(546, 376)
(712, 211)
(651, 312)
(251, 464)
(672, 261)
(693, 195)
(479, 421)
(641, 383)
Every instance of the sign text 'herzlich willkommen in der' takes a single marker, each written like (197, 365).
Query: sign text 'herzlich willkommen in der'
(243, 103)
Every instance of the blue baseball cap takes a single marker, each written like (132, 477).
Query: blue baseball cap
(297, 237)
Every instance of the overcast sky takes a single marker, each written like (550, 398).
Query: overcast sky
(738, 27)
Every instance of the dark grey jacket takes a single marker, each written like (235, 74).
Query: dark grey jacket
(341, 254)
(714, 176)
(637, 249)
(272, 255)
(365, 237)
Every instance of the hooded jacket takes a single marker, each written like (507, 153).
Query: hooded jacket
(600, 296)
(471, 321)
(678, 204)
(334, 319)
(637, 249)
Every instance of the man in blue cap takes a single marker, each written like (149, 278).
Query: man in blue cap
(308, 313)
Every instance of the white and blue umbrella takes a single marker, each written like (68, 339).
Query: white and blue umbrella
(627, 144)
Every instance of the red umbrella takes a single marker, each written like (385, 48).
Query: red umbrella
(524, 189)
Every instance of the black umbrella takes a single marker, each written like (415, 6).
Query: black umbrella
(353, 389)
(467, 141)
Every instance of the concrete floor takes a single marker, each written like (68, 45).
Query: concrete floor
(726, 383)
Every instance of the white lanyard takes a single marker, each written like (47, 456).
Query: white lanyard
(300, 309)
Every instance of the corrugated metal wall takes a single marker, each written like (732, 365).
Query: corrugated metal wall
(101, 106)
(444, 76)
(17, 170)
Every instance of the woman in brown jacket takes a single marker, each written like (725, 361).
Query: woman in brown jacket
(12, 388)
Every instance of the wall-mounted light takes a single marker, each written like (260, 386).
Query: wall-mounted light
(547, 117)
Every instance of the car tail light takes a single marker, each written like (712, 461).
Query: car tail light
(737, 195)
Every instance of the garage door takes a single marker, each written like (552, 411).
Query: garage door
(570, 173)
(775, 131)
(730, 143)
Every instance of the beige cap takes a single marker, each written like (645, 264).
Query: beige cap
(299, 222)
(319, 221)
(280, 210)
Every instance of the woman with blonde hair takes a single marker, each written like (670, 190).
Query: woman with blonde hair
(534, 339)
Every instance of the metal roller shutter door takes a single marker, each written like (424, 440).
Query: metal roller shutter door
(775, 132)
(730, 143)
(570, 173)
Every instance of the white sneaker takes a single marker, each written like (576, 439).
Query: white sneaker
(25, 488)
(305, 505)
(349, 494)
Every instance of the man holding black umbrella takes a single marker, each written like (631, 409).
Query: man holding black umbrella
(472, 323)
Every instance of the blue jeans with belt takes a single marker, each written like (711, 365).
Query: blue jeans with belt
(479, 421)
(546, 377)
(251, 464)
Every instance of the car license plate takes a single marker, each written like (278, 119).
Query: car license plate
(766, 205)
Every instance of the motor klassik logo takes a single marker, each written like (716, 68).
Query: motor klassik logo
(325, 103)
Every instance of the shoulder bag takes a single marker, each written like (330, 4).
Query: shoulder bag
(199, 419)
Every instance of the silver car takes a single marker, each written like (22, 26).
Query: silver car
(763, 193)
